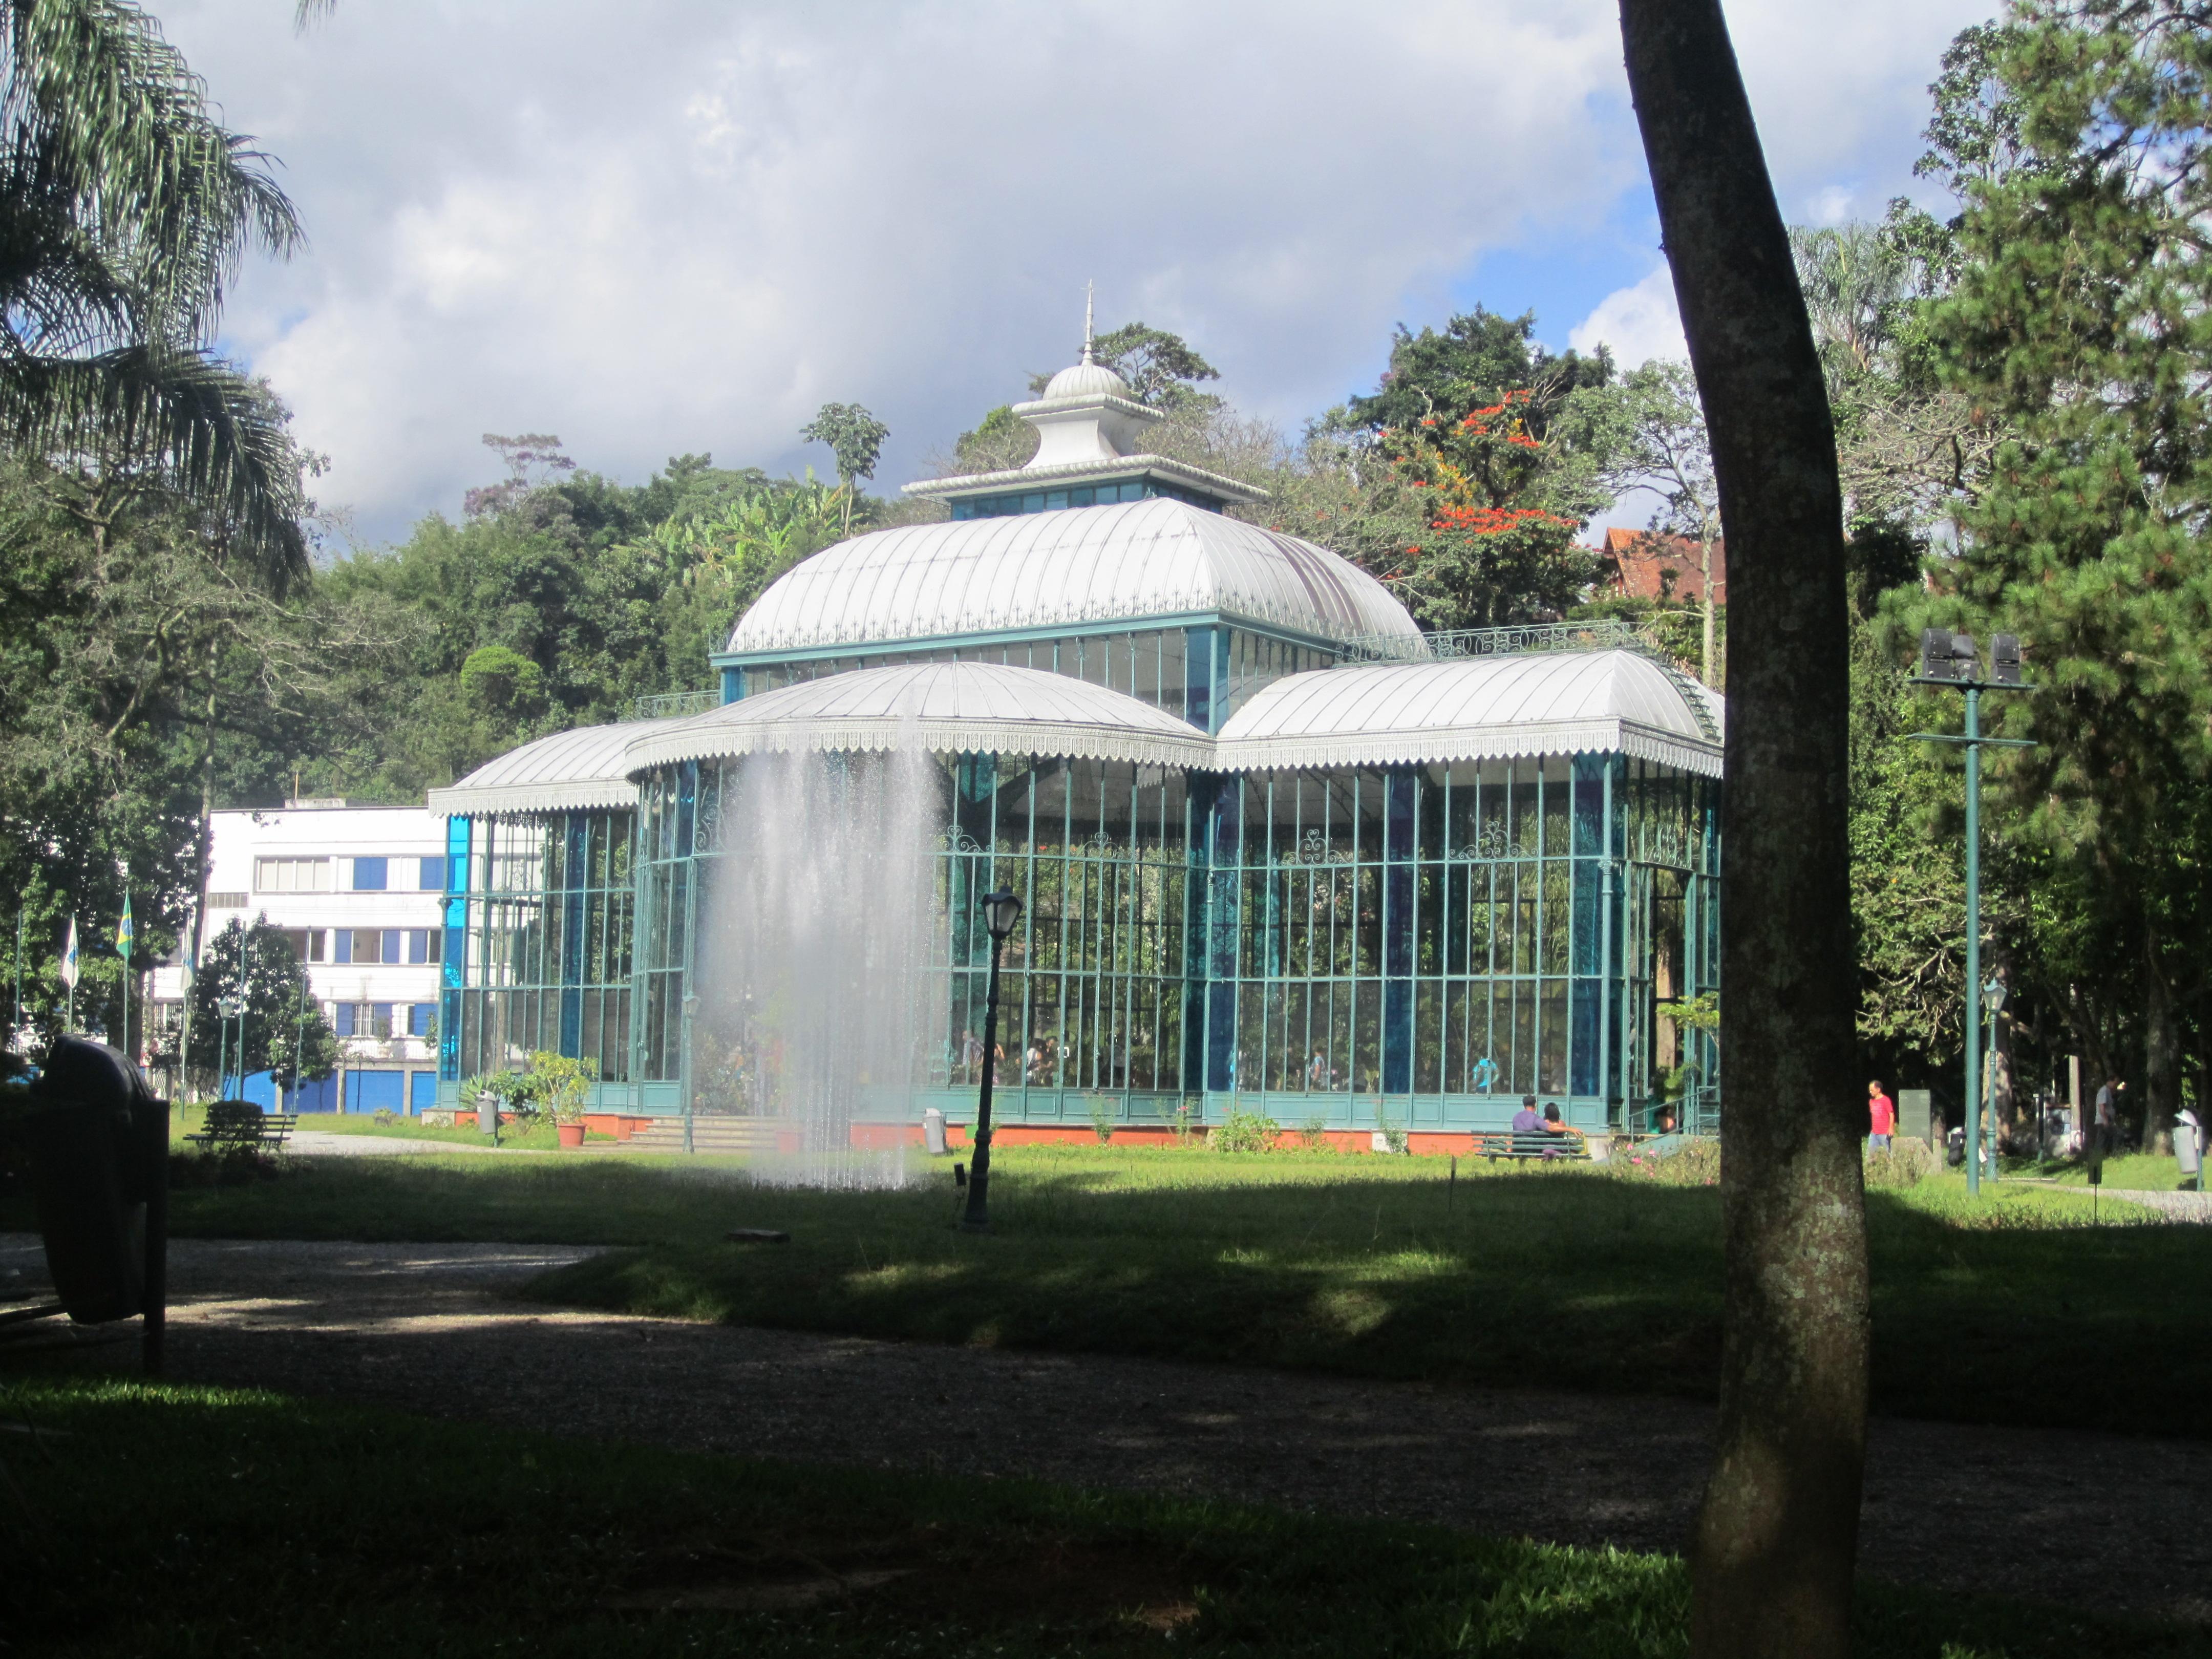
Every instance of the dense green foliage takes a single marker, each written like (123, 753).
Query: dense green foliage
(562, 600)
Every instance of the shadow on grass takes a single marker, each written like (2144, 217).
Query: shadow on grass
(190, 1520)
(1364, 1267)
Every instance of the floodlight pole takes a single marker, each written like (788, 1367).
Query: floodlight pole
(1973, 1020)
(1939, 647)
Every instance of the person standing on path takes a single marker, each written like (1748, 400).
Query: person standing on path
(1882, 1111)
(2105, 1093)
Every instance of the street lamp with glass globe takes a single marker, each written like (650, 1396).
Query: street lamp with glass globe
(1001, 911)
(228, 1008)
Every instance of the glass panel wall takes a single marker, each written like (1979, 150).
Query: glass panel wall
(547, 927)
(1444, 941)
(1094, 983)
(1152, 665)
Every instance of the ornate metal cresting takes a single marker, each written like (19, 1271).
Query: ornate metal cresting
(675, 702)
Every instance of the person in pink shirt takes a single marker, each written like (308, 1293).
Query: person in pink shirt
(1884, 1113)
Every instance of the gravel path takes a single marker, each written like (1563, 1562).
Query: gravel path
(2180, 1207)
(324, 1143)
(2057, 1514)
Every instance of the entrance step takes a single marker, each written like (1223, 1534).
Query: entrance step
(712, 1134)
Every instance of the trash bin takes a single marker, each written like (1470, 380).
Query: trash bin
(2189, 1149)
(98, 1141)
(933, 1131)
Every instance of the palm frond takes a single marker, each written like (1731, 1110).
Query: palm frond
(213, 434)
(124, 120)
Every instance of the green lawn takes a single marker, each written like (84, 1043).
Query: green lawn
(2139, 1171)
(1360, 1266)
(209, 1522)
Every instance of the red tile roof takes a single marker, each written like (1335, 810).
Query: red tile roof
(1637, 562)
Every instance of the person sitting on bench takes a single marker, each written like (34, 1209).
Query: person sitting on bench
(1525, 1120)
(1553, 1123)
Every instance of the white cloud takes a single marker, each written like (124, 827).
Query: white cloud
(1830, 206)
(681, 225)
(1639, 323)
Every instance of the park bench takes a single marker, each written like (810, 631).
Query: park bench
(242, 1123)
(1494, 1144)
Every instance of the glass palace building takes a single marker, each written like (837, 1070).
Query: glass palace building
(1279, 851)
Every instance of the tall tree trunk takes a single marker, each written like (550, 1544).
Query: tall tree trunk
(1777, 1536)
(2161, 1052)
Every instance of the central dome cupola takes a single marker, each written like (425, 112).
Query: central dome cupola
(1090, 429)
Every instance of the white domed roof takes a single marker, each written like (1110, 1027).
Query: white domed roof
(1561, 702)
(574, 769)
(944, 707)
(1136, 559)
(1087, 380)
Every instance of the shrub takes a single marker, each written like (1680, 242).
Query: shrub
(385, 1117)
(1315, 1132)
(1245, 1131)
(1393, 1136)
(1105, 1117)
(1902, 1164)
(560, 1086)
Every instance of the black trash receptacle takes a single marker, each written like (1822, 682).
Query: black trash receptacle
(97, 1139)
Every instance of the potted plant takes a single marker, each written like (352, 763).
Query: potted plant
(562, 1087)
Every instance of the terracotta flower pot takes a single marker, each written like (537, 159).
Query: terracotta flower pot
(572, 1134)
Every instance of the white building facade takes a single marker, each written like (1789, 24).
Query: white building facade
(358, 892)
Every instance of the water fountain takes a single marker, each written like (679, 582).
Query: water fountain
(817, 922)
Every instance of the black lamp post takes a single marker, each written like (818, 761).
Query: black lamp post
(1001, 911)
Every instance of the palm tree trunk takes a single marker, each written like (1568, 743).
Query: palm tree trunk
(1777, 1536)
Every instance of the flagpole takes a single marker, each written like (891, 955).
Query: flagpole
(125, 939)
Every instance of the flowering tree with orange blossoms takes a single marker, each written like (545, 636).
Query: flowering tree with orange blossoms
(1490, 549)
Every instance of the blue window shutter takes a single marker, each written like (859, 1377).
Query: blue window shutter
(394, 946)
(368, 875)
(343, 1020)
(341, 945)
(432, 878)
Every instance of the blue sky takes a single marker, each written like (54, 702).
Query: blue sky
(684, 224)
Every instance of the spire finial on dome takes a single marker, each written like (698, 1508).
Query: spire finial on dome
(1087, 287)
